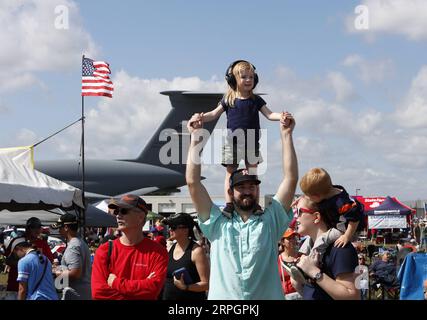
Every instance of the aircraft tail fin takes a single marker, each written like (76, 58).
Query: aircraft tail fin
(184, 105)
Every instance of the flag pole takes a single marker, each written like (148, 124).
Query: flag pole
(83, 212)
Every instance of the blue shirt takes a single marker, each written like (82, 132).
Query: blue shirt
(342, 208)
(244, 254)
(244, 114)
(336, 261)
(30, 270)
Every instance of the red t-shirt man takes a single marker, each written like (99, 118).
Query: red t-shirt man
(140, 270)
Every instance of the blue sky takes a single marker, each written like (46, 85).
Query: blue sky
(309, 60)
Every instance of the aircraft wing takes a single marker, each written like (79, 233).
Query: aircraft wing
(139, 192)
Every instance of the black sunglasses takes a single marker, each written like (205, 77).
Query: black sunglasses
(122, 211)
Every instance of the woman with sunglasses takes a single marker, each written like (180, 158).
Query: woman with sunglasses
(335, 278)
(185, 253)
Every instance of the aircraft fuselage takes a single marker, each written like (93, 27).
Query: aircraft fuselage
(111, 177)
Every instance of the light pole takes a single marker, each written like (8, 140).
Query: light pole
(357, 192)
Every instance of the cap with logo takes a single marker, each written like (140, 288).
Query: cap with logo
(129, 201)
(242, 175)
(65, 219)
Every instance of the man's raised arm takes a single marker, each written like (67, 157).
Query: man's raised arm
(200, 197)
(287, 188)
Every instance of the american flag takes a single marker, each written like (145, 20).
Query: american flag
(95, 78)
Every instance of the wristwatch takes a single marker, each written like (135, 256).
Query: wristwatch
(318, 276)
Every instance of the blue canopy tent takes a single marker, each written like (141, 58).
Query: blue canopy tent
(412, 275)
(390, 214)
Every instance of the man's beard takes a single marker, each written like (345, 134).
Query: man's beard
(247, 205)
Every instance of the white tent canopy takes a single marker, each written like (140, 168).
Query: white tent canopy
(19, 218)
(24, 188)
(94, 217)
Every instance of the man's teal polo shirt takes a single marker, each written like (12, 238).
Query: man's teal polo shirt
(244, 254)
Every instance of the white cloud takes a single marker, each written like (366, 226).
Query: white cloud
(402, 17)
(400, 137)
(314, 113)
(313, 148)
(411, 152)
(341, 86)
(370, 71)
(16, 81)
(352, 60)
(31, 43)
(292, 86)
(368, 122)
(413, 111)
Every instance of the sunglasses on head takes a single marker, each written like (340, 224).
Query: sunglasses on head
(302, 210)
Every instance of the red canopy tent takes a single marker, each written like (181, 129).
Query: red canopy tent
(372, 203)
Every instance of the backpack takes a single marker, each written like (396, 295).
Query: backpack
(110, 251)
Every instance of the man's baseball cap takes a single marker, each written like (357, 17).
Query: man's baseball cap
(179, 219)
(242, 175)
(67, 218)
(129, 201)
(289, 233)
(11, 243)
